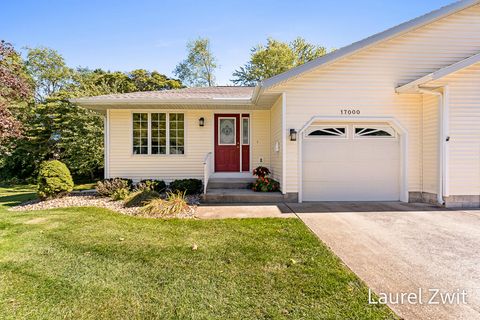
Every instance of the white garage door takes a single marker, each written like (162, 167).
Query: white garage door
(351, 162)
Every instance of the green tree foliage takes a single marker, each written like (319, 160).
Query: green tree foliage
(56, 129)
(274, 58)
(48, 71)
(198, 69)
(14, 87)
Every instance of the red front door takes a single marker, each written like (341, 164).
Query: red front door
(227, 143)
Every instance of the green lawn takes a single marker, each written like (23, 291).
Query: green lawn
(88, 263)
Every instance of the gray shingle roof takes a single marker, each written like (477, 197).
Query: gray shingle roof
(180, 94)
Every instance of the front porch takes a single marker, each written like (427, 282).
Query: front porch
(223, 187)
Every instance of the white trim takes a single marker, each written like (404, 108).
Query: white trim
(369, 42)
(106, 145)
(149, 133)
(440, 73)
(240, 142)
(234, 132)
(283, 185)
(446, 149)
(403, 133)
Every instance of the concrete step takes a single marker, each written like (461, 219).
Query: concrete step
(229, 183)
(241, 196)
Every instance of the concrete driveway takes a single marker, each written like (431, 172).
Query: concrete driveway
(401, 248)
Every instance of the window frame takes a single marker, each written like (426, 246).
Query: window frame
(149, 117)
(132, 134)
(320, 127)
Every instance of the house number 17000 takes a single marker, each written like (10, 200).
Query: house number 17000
(349, 111)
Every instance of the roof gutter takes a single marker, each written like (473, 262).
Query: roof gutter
(215, 101)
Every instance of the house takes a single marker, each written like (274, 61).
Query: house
(394, 117)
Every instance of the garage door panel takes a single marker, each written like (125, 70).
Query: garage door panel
(363, 169)
(341, 150)
(344, 171)
(338, 192)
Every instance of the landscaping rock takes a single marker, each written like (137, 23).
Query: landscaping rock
(89, 199)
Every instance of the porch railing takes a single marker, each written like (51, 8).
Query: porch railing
(207, 170)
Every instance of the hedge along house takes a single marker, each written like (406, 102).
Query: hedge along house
(394, 117)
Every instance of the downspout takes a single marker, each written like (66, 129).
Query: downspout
(441, 140)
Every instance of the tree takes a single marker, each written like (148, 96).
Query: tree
(98, 82)
(56, 129)
(274, 58)
(48, 71)
(199, 67)
(14, 87)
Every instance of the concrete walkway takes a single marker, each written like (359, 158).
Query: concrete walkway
(222, 211)
(396, 247)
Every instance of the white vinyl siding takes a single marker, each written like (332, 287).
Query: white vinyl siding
(198, 142)
(276, 140)
(366, 81)
(260, 138)
(189, 165)
(429, 147)
(463, 160)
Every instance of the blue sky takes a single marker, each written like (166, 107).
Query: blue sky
(125, 35)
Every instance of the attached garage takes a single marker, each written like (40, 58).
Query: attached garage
(351, 162)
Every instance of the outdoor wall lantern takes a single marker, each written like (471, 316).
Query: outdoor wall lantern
(201, 122)
(293, 135)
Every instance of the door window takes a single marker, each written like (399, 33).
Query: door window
(227, 132)
(245, 131)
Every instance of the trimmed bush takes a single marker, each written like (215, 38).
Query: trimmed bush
(151, 184)
(54, 180)
(173, 205)
(120, 194)
(107, 187)
(187, 186)
(140, 198)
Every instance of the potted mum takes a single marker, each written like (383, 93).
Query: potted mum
(263, 182)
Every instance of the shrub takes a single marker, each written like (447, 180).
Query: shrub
(188, 186)
(261, 172)
(54, 180)
(120, 194)
(108, 186)
(153, 185)
(173, 205)
(140, 198)
(266, 185)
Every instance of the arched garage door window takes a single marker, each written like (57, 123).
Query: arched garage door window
(377, 132)
(327, 132)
